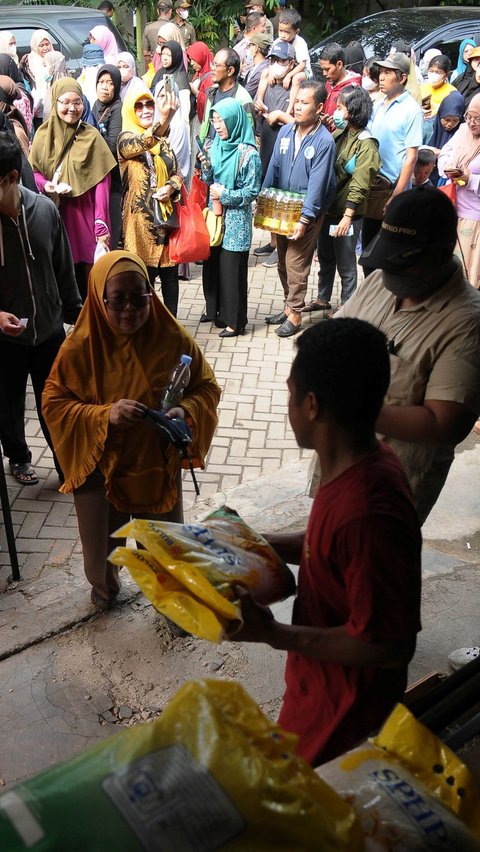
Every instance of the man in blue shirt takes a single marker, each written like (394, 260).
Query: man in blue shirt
(397, 123)
(302, 161)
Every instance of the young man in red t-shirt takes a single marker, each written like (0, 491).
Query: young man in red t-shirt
(357, 610)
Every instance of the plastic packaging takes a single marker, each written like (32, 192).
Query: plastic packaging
(211, 773)
(172, 396)
(188, 571)
(410, 792)
(278, 211)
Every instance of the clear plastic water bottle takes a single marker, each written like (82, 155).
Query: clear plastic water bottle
(173, 393)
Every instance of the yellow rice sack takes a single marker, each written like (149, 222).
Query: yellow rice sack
(189, 571)
(211, 773)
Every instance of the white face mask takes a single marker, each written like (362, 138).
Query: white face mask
(126, 74)
(278, 71)
(368, 84)
(434, 77)
(183, 13)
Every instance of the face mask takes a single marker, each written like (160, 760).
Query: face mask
(368, 84)
(278, 70)
(48, 78)
(404, 286)
(339, 119)
(434, 77)
(183, 13)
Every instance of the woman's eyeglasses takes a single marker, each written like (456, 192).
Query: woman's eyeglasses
(66, 104)
(472, 119)
(138, 301)
(141, 105)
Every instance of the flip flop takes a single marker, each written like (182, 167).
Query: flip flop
(24, 473)
(317, 305)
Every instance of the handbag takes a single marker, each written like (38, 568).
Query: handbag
(450, 190)
(178, 432)
(168, 224)
(191, 241)
(215, 227)
(380, 191)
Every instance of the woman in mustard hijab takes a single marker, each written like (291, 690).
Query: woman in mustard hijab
(114, 364)
(72, 165)
(151, 183)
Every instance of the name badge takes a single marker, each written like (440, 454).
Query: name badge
(309, 152)
(284, 145)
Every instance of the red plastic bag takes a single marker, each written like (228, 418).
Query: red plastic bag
(191, 240)
(198, 192)
(450, 190)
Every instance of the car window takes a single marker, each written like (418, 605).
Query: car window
(23, 36)
(79, 28)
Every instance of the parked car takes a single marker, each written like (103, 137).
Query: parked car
(429, 26)
(68, 26)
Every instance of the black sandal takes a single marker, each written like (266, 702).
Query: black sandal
(24, 473)
(317, 305)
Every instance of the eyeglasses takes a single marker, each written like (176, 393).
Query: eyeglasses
(141, 105)
(138, 301)
(218, 65)
(471, 119)
(74, 104)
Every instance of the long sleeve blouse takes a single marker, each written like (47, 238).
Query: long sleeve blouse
(237, 202)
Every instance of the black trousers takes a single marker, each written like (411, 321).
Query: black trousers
(169, 281)
(225, 286)
(17, 362)
(370, 229)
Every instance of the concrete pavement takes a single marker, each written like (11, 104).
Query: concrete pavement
(72, 677)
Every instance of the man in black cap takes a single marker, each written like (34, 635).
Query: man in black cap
(182, 11)
(430, 314)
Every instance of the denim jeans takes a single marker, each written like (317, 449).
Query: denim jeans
(336, 253)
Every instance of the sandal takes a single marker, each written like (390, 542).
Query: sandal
(24, 473)
(317, 305)
(101, 604)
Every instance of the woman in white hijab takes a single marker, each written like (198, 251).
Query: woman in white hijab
(128, 72)
(8, 44)
(40, 44)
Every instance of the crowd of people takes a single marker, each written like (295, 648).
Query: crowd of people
(91, 173)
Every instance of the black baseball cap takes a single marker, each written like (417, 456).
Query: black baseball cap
(415, 219)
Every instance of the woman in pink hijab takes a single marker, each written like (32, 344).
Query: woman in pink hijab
(105, 39)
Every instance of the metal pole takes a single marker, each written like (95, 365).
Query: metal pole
(7, 520)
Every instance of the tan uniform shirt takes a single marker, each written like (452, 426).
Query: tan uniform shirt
(436, 356)
(188, 32)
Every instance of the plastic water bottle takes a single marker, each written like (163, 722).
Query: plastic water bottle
(173, 393)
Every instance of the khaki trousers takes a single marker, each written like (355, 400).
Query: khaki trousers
(294, 264)
(97, 520)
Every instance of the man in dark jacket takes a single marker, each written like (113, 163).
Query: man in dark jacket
(302, 161)
(38, 293)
